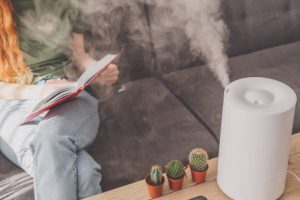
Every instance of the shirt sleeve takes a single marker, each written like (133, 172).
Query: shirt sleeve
(79, 23)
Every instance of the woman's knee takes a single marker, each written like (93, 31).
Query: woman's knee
(76, 109)
(78, 118)
(55, 128)
(89, 176)
(53, 136)
(61, 129)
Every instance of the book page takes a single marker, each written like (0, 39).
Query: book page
(95, 69)
(58, 94)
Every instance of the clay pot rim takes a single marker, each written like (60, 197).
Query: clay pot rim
(147, 180)
(198, 171)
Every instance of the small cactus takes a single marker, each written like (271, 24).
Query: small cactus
(156, 175)
(175, 169)
(198, 159)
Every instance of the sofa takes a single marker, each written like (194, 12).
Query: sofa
(164, 106)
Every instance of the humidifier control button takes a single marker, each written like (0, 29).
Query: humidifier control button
(259, 97)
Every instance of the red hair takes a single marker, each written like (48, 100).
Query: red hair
(13, 68)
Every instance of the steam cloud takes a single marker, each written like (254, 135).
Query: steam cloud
(209, 35)
(111, 20)
(200, 20)
(202, 23)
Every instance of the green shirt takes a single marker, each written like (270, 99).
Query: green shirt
(45, 31)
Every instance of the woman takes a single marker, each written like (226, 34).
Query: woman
(32, 59)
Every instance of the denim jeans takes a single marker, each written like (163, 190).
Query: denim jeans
(51, 148)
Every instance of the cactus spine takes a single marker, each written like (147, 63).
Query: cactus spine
(198, 159)
(156, 175)
(175, 169)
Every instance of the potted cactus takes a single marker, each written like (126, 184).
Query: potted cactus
(175, 173)
(198, 165)
(155, 182)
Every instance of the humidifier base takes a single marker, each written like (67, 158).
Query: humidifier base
(252, 188)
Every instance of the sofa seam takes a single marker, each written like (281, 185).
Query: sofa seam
(191, 111)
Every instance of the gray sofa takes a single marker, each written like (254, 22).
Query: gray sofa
(173, 103)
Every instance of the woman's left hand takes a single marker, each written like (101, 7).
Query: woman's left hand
(109, 76)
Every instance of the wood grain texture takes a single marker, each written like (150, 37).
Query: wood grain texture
(210, 189)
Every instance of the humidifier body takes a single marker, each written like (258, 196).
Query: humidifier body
(257, 123)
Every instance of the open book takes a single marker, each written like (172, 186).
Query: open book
(67, 93)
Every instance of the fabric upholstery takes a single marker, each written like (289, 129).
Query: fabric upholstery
(261, 24)
(200, 90)
(122, 27)
(15, 184)
(253, 25)
(141, 126)
(171, 44)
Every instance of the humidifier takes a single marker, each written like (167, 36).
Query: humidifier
(257, 123)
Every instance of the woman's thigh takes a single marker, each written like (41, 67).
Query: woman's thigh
(78, 117)
(14, 138)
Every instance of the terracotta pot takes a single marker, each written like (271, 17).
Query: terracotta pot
(175, 184)
(154, 191)
(198, 177)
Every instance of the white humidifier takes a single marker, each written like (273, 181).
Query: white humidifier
(257, 123)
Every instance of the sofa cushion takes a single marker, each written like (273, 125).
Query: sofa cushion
(121, 27)
(257, 25)
(198, 88)
(170, 43)
(14, 182)
(141, 126)
(253, 25)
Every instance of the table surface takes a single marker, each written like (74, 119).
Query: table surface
(209, 189)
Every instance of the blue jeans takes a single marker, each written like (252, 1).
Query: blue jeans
(51, 149)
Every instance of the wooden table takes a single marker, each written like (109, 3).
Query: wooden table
(209, 189)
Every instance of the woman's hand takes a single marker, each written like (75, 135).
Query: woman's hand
(109, 76)
(83, 60)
